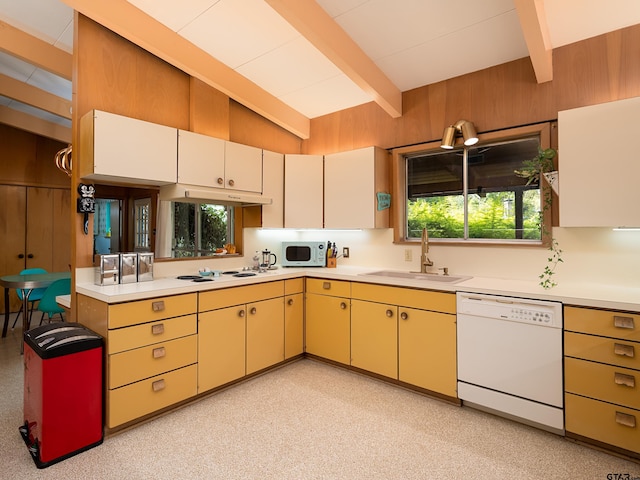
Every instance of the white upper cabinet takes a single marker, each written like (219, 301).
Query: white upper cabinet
(124, 150)
(211, 162)
(598, 165)
(200, 159)
(303, 191)
(352, 181)
(273, 187)
(242, 167)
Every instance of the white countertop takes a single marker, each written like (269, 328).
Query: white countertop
(591, 295)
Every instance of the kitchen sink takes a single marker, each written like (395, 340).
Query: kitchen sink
(428, 277)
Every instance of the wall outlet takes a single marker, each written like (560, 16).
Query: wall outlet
(345, 252)
(408, 254)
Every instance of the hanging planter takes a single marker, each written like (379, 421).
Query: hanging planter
(553, 180)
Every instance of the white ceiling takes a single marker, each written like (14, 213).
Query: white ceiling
(413, 42)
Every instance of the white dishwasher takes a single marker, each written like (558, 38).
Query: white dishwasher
(510, 358)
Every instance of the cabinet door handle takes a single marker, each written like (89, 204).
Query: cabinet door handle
(231, 183)
(158, 385)
(30, 255)
(157, 306)
(623, 322)
(157, 329)
(241, 313)
(623, 379)
(326, 285)
(389, 313)
(253, 310)
(624, 350)
(290, 302)
(404, 316)
(220, 180)
(626, 419)
(21, 255)
(343, 305)
(159, 352)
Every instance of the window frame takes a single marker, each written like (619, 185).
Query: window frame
(399, 186)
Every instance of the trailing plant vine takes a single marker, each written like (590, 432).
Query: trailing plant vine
(533, 170)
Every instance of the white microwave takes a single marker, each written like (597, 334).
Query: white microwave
(304, 254)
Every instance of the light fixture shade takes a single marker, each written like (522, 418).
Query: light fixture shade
(448, 137)
(469, 133)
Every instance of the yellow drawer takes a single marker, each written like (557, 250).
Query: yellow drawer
(603, 421)
(141, 398)
(603, 382)
(607, 323)
(334, 288)
(601, 349)
(406, 297)
(133, 365)
(143, 311)
(138, 336)
(228, 297)
(294, 285)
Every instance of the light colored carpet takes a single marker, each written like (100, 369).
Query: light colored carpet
(308, 420)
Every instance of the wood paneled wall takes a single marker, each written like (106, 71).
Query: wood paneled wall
(597, 70)
(29, 159)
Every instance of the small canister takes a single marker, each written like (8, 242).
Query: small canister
(145, 266)
(128, 267)
(108, 270)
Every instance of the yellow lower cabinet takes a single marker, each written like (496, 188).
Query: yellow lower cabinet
(293, 325)
(265, 334)
(603, 421)
(427, 350)
(132, 401)
(133, 365)
(328, 327)
(374, 337)
(221, 347)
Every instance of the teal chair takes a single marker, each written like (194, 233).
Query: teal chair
(48, 302)
(36, 294)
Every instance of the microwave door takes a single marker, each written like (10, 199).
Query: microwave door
(298, 253)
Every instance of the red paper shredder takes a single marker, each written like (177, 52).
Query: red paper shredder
(62, 391)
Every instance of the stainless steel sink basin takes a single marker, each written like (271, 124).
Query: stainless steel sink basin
(428, 277)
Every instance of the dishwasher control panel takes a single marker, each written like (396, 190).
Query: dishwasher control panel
(537, 312)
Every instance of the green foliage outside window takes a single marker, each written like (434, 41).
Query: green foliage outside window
(489, 216)
(210, 221)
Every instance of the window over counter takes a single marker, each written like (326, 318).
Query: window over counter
(199, 229)
(471, 194)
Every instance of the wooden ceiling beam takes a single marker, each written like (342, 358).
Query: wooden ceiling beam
(322, 31)
(536, 34)
(139, 28)
(37, 52)
(35, 125)
(30, 95)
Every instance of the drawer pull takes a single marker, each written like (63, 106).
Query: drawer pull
(157, 329)
(623, 322)
(159, 352)
(157, 306)
(623, 350)
(626, 419)
(326, 285)
(623, 379)
(158, 385)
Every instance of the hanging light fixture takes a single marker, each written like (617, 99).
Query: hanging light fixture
(463, 127)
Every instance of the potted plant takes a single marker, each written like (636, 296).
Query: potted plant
(533, 170)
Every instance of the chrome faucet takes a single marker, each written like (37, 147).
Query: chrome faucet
(424, 259)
